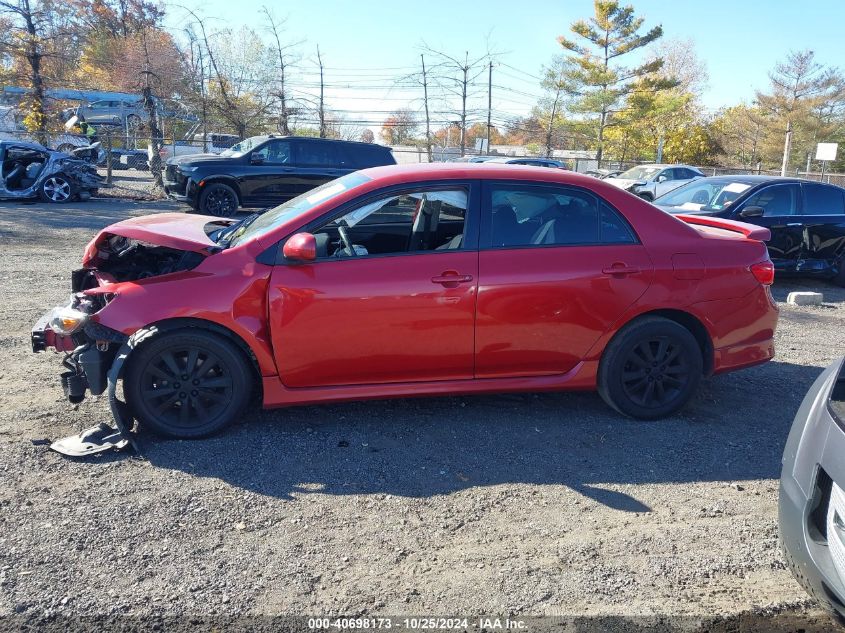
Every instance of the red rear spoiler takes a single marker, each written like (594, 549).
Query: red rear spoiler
(750, 231)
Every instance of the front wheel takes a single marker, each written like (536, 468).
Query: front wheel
(56, 188)
(218, 200)
(187, 383)
(650, 369)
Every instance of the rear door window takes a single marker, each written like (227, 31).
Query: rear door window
(530, 216)
(322, 154)
(823, 200)
(777, 200)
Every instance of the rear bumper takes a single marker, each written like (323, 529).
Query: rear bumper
(814, 460)
(742, 330)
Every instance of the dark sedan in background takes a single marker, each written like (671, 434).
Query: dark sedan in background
(806, 218)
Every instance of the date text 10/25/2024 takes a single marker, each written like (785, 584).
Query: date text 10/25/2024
(417, 623)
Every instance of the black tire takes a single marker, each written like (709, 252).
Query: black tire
(218, 200)
(57, 188)
(157, 394)
(650, 351)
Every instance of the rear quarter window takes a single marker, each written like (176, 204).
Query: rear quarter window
(366, 155)
(823, 200)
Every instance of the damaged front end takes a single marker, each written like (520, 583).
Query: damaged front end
(93, 353)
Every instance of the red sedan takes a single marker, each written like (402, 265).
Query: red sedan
(409, 281)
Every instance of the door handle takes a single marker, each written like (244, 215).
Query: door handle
(620, 269)
(451, 279)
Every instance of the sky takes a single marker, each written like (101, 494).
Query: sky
(366, 45)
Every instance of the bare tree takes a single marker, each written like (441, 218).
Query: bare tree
(456, 76)
(285, 60)
(321, 111)
(150, 107)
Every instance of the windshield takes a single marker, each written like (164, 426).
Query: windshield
(300, 205)
(713, 193)
(246, 145)
(639, 173)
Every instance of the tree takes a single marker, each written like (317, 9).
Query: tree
(600, 86)
(551, 106)
(798, 85)
(456, 77)
(399, 128)
(367, 136)
(27, 19)
(285, 60)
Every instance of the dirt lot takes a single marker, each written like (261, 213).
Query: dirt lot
(523, 504)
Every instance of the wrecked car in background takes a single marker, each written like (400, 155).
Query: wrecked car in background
(650, 181)
(29, 170)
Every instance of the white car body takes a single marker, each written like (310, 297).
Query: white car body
(656, 179)
(216, 143)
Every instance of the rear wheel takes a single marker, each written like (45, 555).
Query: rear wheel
(187, 383)
(650, 369)
(218, 200)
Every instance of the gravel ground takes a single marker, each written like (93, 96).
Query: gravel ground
(516, 504)
(130, 184)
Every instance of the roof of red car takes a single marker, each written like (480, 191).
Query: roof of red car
(423, 171)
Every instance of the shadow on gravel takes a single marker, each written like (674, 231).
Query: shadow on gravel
(735, 430)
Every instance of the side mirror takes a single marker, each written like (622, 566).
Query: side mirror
(751, 212)
(301, 247)
(256, 159)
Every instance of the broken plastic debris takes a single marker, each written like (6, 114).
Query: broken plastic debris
(97, 439)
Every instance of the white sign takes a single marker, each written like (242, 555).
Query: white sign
(826, 151)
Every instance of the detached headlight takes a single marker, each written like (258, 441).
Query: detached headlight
(67, 320)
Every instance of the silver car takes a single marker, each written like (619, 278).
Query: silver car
(111, 112)
(651, 181)
(812, 492)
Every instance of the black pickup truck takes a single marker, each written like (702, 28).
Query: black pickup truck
(265, 171)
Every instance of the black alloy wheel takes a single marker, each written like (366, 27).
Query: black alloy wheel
(655, 372)
(651, 368)
(187, 383)
(219, 200)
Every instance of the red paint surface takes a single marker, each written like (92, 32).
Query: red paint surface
(454, 321)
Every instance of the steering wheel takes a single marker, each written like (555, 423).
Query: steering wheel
(347, 243)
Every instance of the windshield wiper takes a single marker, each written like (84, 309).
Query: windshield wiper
(225, 236)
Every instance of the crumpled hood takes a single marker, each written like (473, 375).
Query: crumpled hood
(175, 230)
(623, 183)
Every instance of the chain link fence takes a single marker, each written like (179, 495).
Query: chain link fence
(124, 160)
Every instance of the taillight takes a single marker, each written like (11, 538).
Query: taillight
(764, 272)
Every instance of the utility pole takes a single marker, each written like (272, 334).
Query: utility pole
(787, 147)
(489, 104)
(427, 119)
(465, 69)
(322, 112)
